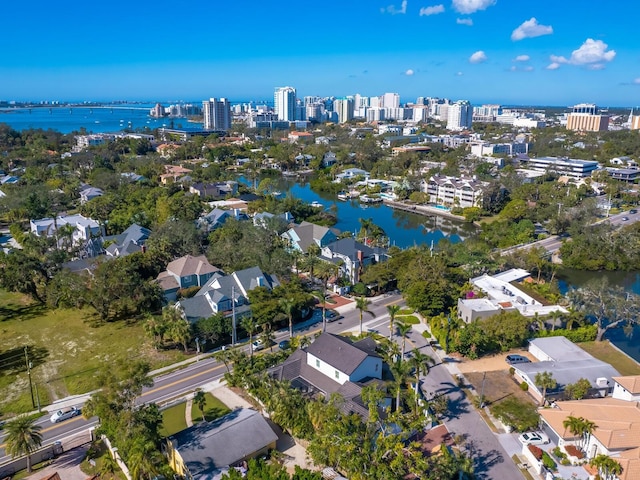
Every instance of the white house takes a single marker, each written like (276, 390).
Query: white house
(627, 388)
(84, 228)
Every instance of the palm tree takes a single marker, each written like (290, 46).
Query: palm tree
(362, 304)
(200, 400)
(587, 429)
(143, 459)
(393, 310)
(400, 372)
(312, 258)
(574, 425)
(545, 381)
(23, 437)
(324, 274)
(403, 331)
(250, 326)
(288, 306)
(608, 468)
(180, 332)
(420, 363)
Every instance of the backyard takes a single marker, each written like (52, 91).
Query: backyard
(66, 348)
(607, 353)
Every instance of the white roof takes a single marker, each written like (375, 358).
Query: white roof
(480, 305)
(560, 349)
(513, 275)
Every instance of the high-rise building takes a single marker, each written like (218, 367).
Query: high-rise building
(390, 100)
(587, 118)
(634, 121)
(459, 115)
(344, 108)
(284, 100)
(217, 114)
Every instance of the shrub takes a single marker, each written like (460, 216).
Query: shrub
(565, 461)
(537, 451)
(586, 333)
(512, 370)
(548, 462)
(522, 416)
(188, 292)
(574, 451)
(559, 454)
(524, 386)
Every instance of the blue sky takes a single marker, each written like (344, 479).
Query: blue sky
(539, 52)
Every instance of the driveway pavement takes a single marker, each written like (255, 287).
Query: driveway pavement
(66, 465)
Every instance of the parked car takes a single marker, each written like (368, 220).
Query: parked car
(533, 438)
(284, 345)
(624, 219)
(257, 345)
(65, 414)
(633, 211)
(515, 359)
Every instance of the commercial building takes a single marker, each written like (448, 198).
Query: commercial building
(563, 166)
(284, 100)
(587, 118)
(217, 114)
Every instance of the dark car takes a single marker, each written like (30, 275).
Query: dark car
(284, 345)
(515, 359)
(332, 316)
(634, 211)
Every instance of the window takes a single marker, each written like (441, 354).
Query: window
(317, 363)
(337, 375)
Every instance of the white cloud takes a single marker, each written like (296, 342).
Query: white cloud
(522, 58)
(529, 29)
(459, 74)
(464, 21)
(513, 68)
(636, 81)
(553, 66)
(394, 11)
(469, 6)
(592, 54)
(409, 72)
(478, 57)
(432, 10)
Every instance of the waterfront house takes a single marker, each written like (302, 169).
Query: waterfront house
(352, 256)
(301, 237)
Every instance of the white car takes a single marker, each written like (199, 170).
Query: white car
(65, 414)
(257, 345)
(533, 438)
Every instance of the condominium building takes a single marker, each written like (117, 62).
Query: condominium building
(459, 115)
(284, 100)
(390, 100)
(634, 121)
(563, 166)
(454, 191)
(344, 108)
(587, 118)
(217, 114)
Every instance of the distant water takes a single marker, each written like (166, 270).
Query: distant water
(93, 119)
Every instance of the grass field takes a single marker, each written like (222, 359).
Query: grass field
(66, 347)
(607, 353)
(173, 420)
(213, 409)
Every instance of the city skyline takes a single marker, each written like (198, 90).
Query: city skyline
(486, 51)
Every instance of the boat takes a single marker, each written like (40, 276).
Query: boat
(316, 204)
(368, 199)
(344, 196)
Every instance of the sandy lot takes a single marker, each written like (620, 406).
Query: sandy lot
(492, 363)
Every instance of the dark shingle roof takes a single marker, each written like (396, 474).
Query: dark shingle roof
(338, 352)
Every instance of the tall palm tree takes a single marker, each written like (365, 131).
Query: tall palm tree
(393, 311)
(362, 304)
(23, 437)
(608, 468)
(200, 400)
(587, 430)
(324, 273)
(420, 363)
(143, 459)
(288, 306)
(312, 258)
(400, 372)
(545, 381)
(574, 425)
(250, 326)
(403, 331)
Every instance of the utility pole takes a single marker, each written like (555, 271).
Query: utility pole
(26, 358)
(484, 375)
(233, 317)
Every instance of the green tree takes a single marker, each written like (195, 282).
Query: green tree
(420, 363)
(403, 331)
(200, 400)
(250, 326)
(23, 437)
(578, 390)
(180, 332)
(288, 306)
(545, 381)
(362, 304)
(608, 468)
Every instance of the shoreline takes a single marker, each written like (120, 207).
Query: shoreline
(423, 210)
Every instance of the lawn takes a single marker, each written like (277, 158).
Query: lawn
(409, 319)
(66, 347)
(213, 409)
(173, 420)
(607, 353)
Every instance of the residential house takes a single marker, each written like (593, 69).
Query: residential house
(130, 241)
(89, 193)
(215, 190)
(185, 272)
(216, 218)
(329, 159)
(616, 434)
(83, 228)
(300, 137)
(132, 177)
(302, 236)
(568, 363)
(334, 364)
(227, 294)
(627, 388)
(173, 173)
(206, 450)
(502, 294)
(351, 173)
(262, 219)
(352, 256)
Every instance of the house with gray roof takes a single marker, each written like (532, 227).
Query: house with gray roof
(302, 236)
(185, 272)
(207, 449)
(89, 193)
(217, 217)
(568, 363)
(334, 364)
(130, 241)
(353, 256)
(226, 294)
